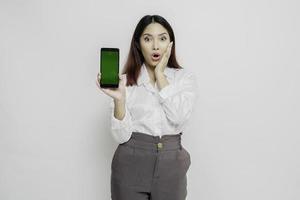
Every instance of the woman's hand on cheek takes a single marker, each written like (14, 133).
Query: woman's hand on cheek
(160, 67)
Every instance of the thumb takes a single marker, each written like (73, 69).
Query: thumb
(123, 76)
(124, 79)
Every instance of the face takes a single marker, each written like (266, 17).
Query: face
(154, 42)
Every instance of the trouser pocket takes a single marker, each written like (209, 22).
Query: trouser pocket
(185, 157)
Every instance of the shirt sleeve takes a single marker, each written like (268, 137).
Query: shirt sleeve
(121, 129)
(178, 98)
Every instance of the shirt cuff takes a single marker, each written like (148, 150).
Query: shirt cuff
(120, 124)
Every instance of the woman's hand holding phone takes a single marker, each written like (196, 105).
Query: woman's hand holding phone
(119, 93)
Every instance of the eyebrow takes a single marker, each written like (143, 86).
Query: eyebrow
(151, 35)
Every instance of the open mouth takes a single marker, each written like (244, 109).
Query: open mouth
(155, 56)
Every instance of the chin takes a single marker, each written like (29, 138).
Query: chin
(152, 64)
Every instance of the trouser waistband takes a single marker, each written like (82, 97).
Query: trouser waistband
(146, 141)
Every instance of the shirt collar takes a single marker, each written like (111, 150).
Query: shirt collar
(144, 76)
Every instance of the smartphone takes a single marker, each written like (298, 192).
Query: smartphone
(109, 67)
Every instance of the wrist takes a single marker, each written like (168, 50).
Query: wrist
(119, 101)
(159, 73)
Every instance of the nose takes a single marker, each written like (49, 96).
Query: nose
(155, 45)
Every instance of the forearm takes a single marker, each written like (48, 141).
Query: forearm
(178, 98)
(119, 109)
(121, 122)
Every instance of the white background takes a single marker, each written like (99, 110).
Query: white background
(55, 140)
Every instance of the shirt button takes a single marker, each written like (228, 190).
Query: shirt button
(159, 145)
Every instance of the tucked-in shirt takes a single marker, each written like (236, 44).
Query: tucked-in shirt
(153, 111)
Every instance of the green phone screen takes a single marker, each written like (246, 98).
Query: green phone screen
(109, 67)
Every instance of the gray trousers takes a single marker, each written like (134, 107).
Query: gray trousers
(150, 168)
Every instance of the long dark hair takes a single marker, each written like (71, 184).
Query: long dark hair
(135, 57)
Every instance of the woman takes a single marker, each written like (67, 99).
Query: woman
(153, 102)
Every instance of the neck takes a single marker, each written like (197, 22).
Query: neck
(150, 70)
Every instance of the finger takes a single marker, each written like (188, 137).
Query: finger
(170, 46)
(168, 53)
(168, 50)
(166, 56)
(122, 76)
(125, 79)
(105, 90)
(97, 83)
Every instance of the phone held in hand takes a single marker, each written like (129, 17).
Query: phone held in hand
(109, 67)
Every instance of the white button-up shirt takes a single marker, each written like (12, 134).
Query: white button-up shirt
(155, 112)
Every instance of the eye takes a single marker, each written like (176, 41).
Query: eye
(163, 38)
(146, 39)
